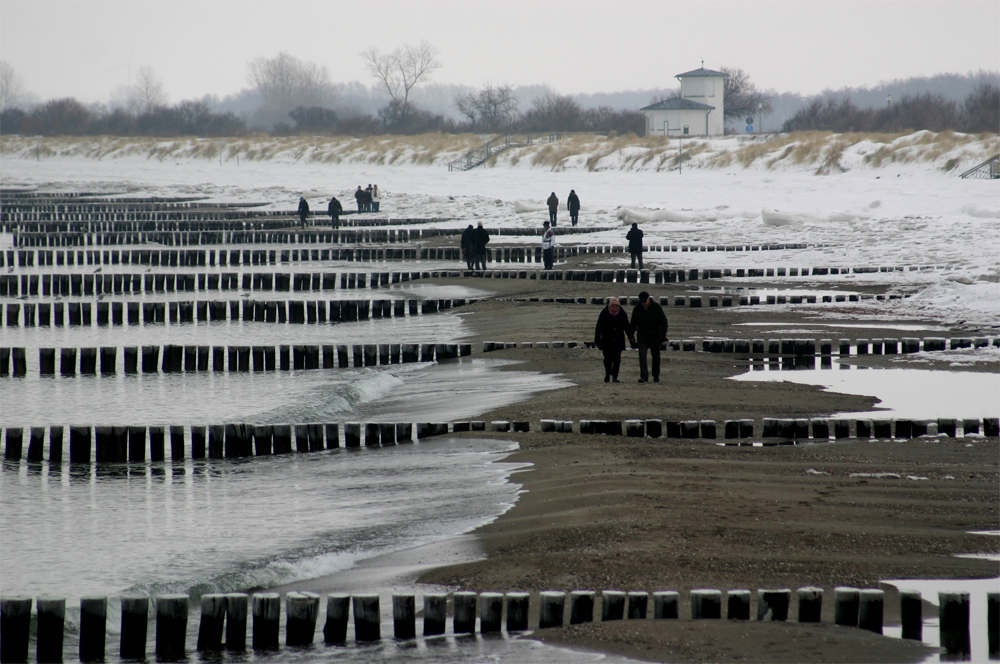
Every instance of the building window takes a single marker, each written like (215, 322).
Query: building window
(685, 130)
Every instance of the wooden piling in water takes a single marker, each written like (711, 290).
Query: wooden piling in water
(50, 628)
(552, 605)
(706, 604)
(135, 618)
(581, 606)
(953, 613)
(171, 627)
(810, 604)
(911, 615)
(367, 618)
(612, 605)
(15, 623)
(404, 616)
(870, 609)
(236, 621)
(213, 616)
(302, 609)
(93, 628)
(517, 611)
(266, 621)
(435, 613)
(338, 608)
(464, 612)
(490, 612)
(993, 624)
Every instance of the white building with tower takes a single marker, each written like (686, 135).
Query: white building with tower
(699, 111)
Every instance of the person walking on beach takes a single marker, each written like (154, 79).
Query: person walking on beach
(303, 210)
(649, 324)
(469, 246)
(609, 336)
(548, 246)
(634, 237)
(573, 204)
(368, 198)
(480, 239)
(376, 199)
(359, 196)
(334, 209)
(553, 203)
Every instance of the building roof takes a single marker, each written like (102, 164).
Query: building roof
(678, 104)
(701, 72)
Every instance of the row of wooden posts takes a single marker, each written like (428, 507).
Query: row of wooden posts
(74, 314)
(137, 444)
(223, 618)
(175, 358)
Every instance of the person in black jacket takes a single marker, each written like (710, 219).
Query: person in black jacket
(334, 209)
(553, 202)
(469, 246)
(481, 238)
(650, 326)
(634, 237)
(303, 210)
(573, 204)
(359, 196)
(609, 336)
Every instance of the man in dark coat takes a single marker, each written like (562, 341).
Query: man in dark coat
(359, 196)
(334, 209)
(634, 237)
(609, 336)
(480, 238)
(469, 246)
(303, 210)
(553, 203)
(573, 203)
(650, 326)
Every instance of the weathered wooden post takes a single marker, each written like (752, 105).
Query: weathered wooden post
(135, 617)
(236, 621)
(738, 604)
(665, 605)
(870, 603)
(552, 605)
(14, 448)
(435, 613)
(490, 612)
(302, 609)
(911, 615)
(517, 611)
(810, 604)
(638, 605)
(581, 606)
(15, 624)
(93, 628)
(993, 624)
(612, 605)
(367, 618)
(706, 604)
(846, 604)
(953, 612)
(213, 616)
(464, 618)
(266, 621)
(773, 604)
(404, 616)
(171, 627)
(50, 628)
(338, 608)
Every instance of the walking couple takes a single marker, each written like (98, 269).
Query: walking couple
(647, 330)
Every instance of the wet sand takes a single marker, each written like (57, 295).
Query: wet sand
(643, 514)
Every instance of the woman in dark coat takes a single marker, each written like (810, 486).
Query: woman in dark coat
(573, 203)
(609, 336)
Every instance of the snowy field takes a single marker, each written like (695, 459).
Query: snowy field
(901, 213)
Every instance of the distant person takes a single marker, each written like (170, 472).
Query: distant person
(573, 204)
(368, 198)
(553, 203)
(334, 209)
(548, 245)
(649, 324)
(634, 237)
(469, 246)
(303, 210)
(359, 196)
(609, 336)
(480, 239)
(376, 199)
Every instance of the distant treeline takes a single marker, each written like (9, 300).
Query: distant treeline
(978, 112)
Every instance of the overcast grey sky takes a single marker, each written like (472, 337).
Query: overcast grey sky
(87, 48)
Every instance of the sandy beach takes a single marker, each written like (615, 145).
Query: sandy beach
(652, 514)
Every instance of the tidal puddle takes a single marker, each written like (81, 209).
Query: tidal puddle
(902, 393)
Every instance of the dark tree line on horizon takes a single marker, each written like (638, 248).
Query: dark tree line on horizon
(288, 96)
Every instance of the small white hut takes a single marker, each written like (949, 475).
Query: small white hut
(698, 111)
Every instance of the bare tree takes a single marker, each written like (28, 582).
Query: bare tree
(492, 108)
(400, 70)
(142, 97)
(740, 96)
(285, 83)
(11, 86)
